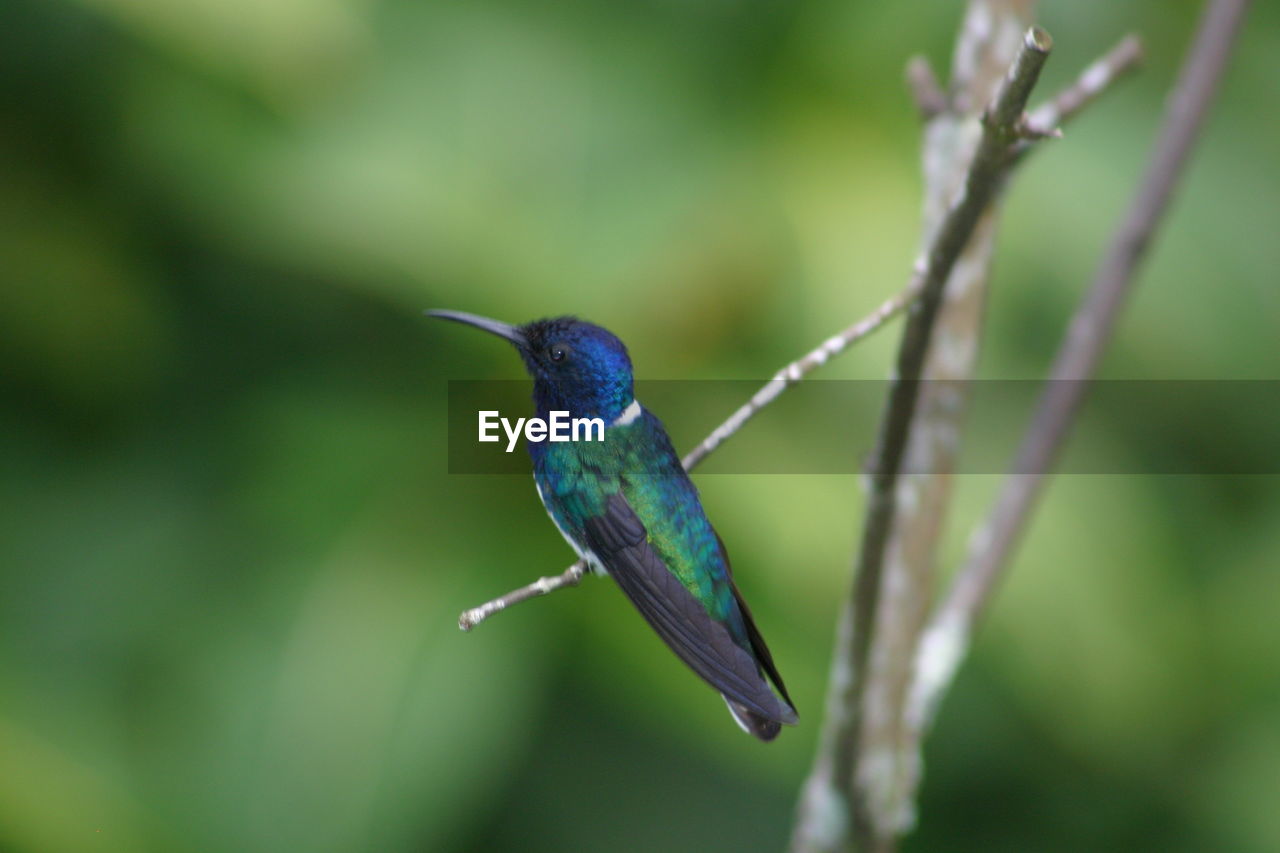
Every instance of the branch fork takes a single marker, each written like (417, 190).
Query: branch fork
(883, 687)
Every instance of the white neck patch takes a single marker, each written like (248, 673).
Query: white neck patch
(629, 414)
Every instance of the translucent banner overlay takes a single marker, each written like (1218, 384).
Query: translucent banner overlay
(1197, 427)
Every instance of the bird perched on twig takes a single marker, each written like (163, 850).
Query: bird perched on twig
(629, 509)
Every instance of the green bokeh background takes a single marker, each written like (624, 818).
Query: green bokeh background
(231, 557)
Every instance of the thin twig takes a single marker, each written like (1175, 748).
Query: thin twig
(1122, 59)
(947, 638)
(798, 369)
(925, 89)
(571, 576)
(781, 381)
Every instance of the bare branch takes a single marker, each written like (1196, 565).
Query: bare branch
(979, 49)
(891, 764)
(948, 635)
(1004, 116)
(925, 89)
(889, 761)
(831, 788)
(1122, 59)
(984, 177)
(571, 576)
(781, 381)
(798, 369)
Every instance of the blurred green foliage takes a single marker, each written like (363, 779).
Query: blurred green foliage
(231, 558)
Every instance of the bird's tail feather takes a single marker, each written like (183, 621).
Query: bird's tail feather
(751, 722)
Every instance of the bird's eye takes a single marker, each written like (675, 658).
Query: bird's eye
(558, 353)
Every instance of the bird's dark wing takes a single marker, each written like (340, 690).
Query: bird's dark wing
(763, 655)
(618, 538)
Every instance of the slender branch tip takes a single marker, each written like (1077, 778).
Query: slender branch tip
(571, 576)
(1039, 39)
(926, 91)
(1121, 60)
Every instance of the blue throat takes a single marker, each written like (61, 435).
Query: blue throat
(607, 400)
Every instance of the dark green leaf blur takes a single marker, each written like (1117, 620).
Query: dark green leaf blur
(231, 556)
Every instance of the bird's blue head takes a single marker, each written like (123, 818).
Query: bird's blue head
(576, 366)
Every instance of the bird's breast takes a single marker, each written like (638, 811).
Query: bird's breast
(583, 552)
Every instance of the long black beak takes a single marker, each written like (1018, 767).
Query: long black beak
(493, 327)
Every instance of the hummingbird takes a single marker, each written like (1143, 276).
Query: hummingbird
(630, 511)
